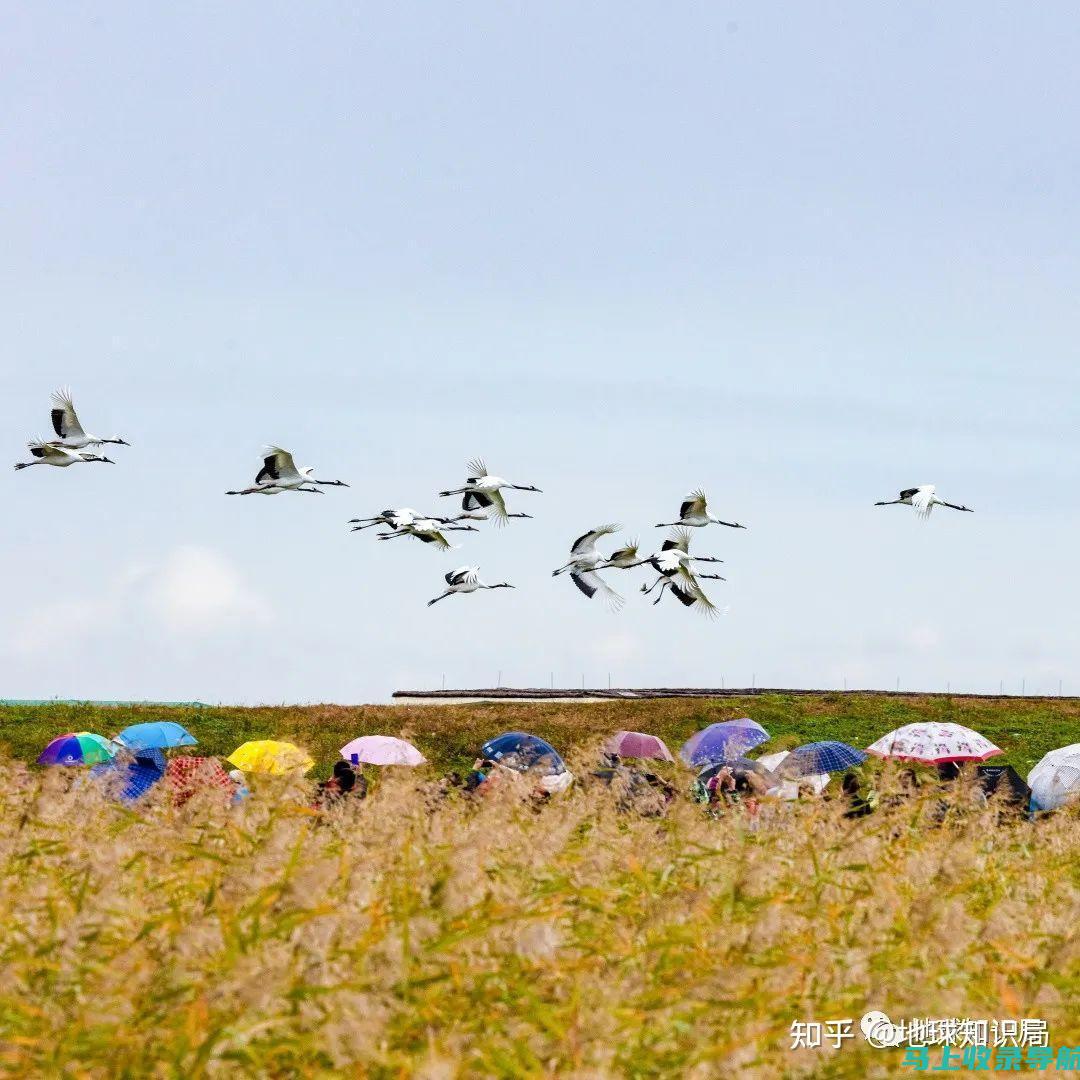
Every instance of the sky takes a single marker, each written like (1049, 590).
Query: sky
(799, 255)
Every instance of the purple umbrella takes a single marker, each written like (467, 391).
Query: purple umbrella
(722, 742)
(637, 744)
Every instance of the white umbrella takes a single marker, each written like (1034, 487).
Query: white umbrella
(934, 744)
(1059, 754)
(382, 750)
(772, 761)
(1056, 778)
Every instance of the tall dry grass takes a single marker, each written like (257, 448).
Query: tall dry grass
(421, 933)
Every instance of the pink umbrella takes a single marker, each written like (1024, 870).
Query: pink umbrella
(382, 750)
(637, 744)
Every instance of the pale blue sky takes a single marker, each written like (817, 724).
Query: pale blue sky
(802, 255)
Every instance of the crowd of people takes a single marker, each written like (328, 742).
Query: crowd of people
(641, 771)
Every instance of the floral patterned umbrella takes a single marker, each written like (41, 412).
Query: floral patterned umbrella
(934, 744)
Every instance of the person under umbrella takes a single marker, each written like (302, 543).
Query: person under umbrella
(344, 782)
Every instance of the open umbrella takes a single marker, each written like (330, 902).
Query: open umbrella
(523, 752)
(1004, 783)
(133, 774)
(1060, 754)
(1056, 778)
(187, 776)
(724, 741)
(382, 750)
(772, 762)
(270, 756)
(162, 734)
(934, 744)
(77, 748)
(637, 744)
(822, 757)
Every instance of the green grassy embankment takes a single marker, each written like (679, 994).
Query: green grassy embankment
(1025, 728)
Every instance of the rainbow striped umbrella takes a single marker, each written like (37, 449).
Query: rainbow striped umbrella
(77, 748)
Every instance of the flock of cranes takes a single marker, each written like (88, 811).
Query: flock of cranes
(482, 500)
(71, 445)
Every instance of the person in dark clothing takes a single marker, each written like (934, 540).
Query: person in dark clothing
(344, 782)
(859, 804)
(481, 770)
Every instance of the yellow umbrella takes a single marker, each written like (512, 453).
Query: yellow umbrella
(270, 756)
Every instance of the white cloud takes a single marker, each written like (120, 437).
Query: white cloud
(50, 625)
(198, 589)
(190, 590)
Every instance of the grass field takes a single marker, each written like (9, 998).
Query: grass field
(423, 933)
(1025, 728)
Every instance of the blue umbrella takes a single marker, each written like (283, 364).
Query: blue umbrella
(517, 750)
(161, 734)
(725, 741)
(135, 776)
(822, 757)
